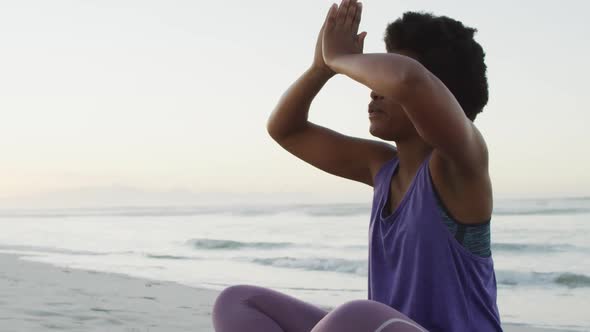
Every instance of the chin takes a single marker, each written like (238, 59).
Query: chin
(373, 132)
(381, 133)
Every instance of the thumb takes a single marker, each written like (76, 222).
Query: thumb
(361, 38)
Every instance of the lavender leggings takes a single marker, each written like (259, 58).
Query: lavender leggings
(247, 308)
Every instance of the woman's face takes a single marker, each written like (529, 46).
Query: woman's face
(387, 118)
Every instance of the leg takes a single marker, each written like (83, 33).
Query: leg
(366, 316)
(247, 308)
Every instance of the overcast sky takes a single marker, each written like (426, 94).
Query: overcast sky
(174, 95)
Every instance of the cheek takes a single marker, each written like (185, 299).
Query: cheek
(397, 114)
(397, 108)
(394, 122)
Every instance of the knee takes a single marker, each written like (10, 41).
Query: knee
(230, 295)
(234, 296)
(350, 310)
(353, 306)
(367, 315)
(359, 315)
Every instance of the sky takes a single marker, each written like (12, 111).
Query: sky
(173, 96)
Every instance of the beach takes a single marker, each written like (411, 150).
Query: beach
(42, 297)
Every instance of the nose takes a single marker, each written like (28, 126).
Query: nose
(375, 96)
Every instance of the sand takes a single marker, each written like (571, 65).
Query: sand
(41, 297)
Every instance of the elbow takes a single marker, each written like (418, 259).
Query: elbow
(279, 128)
(273, 128)
(271, 131)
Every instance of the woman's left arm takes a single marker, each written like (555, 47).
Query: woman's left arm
(434, 111)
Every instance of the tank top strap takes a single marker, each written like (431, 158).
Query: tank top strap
(384, 173)
(425, 175)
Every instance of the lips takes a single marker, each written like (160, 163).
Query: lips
(373, 107)
(374, 112)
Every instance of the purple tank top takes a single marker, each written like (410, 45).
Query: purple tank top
(417, 267)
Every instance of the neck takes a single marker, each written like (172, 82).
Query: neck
(411, 153)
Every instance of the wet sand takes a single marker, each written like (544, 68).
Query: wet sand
(41, 297)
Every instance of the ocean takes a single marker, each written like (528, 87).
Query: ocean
(540, 247)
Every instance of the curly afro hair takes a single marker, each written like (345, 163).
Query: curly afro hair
(447, 49)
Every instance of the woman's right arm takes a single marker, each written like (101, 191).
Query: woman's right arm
(349, 157)
(345, 156)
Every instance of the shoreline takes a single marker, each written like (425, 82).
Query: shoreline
(38, 296)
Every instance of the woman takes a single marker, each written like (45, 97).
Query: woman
(430, 264)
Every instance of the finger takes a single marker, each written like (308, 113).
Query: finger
(342, 11)
(357, 17)
(327, 16)
(330, 18)
(351, 14)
